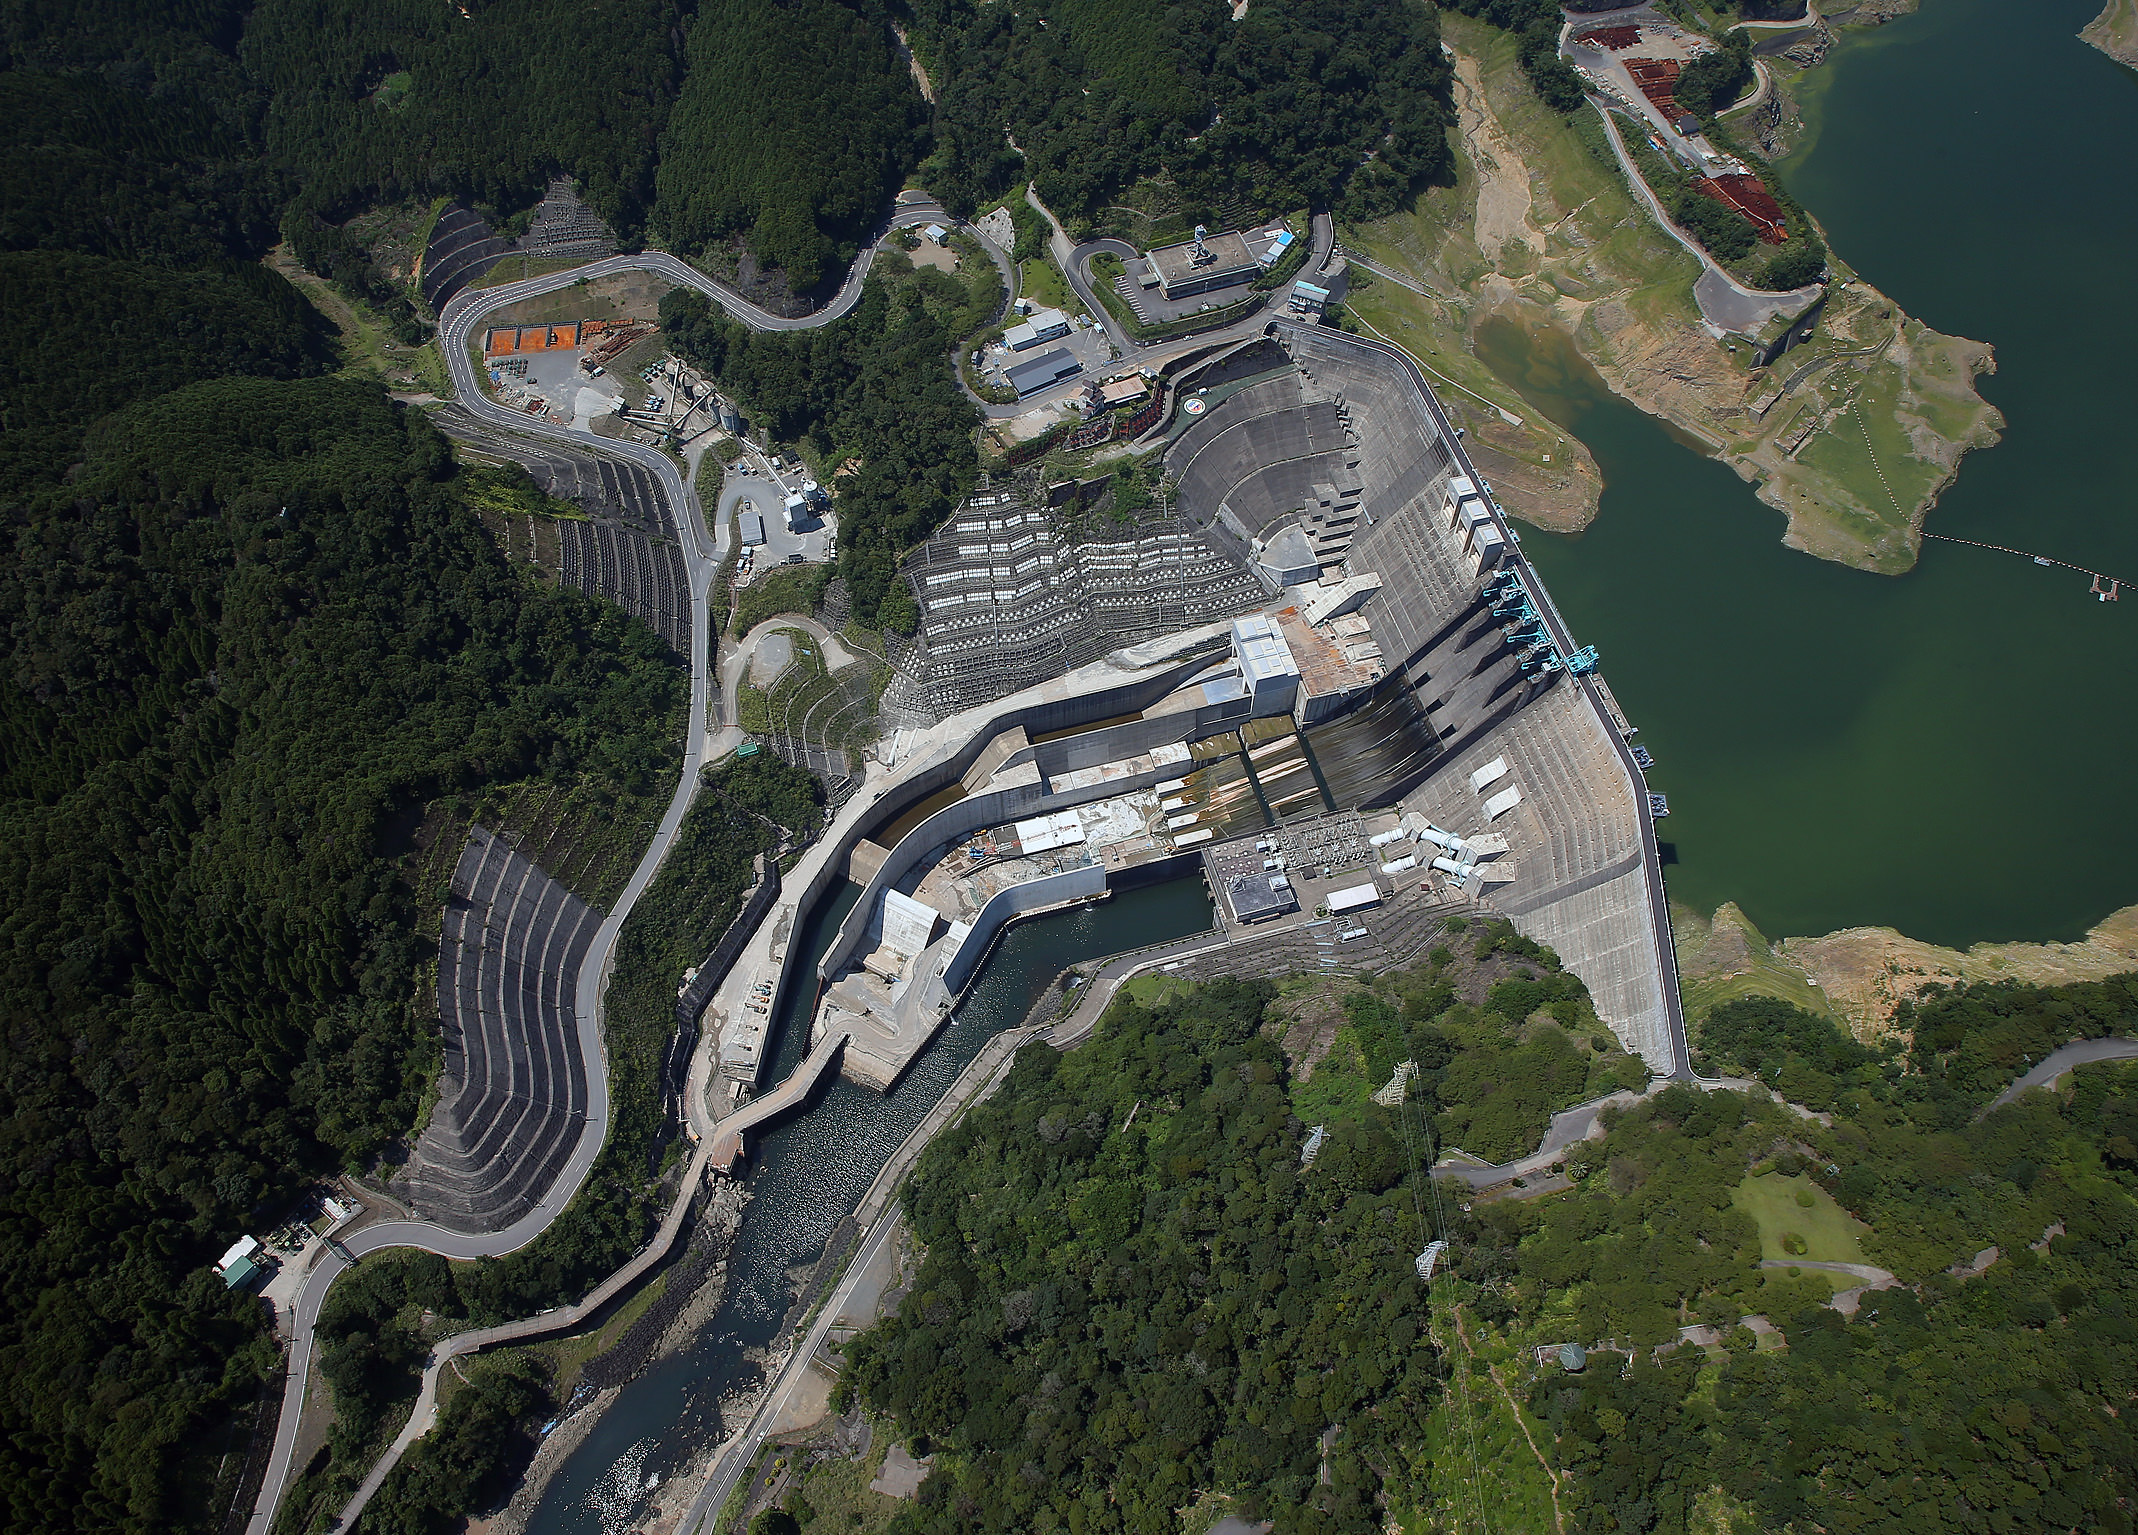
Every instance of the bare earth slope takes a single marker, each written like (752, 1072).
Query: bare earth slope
(1860, 975)
(2115, 31)
(1852, 435)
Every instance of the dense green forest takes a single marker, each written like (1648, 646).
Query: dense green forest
(1111, 1318)
(254, 635)
(132, 330)
(1134, 1294)
(1300, 103)
(370, 101)
(878, 386)
(796, 126)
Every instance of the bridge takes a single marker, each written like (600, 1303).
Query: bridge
(727, 1134)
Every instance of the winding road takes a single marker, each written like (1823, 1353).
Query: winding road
(702, 553)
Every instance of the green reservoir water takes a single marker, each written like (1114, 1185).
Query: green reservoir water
(1948, 752)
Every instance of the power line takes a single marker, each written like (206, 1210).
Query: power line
(1468, 1433)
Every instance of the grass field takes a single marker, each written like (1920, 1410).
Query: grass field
(1479, 1464)
(1338, 1089)
(1041, 281)
(1152, 989)
(1724, 958)
(837, 1492)
(1830, 1233)
(515, 268)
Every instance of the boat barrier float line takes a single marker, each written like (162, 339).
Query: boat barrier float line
(2100, 593)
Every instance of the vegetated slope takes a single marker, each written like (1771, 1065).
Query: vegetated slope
(96, 334)
(1502, 1038)
(1851, 435)
(1114, 1317)
(1862, 975)
(1300, 102)
(379, 1321)
(255, 634)
(795, 128)
(375, 100)
(1953, 1403)
(877, 386)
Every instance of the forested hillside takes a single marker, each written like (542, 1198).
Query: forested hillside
(251, 639)
(1111, 1320)
(379, 1320)
(132, 331)
(875, 386)
(1136, 1299)
(1298, 103)
(371, 100)
(796, 126)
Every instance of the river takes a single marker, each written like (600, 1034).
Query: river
(1946, 752)
(808, 1174)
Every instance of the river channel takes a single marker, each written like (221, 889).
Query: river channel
(1947, 752)
(808, 1174)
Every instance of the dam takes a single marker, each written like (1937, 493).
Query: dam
(1326, 630)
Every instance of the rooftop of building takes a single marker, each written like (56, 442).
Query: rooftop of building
(1227, 252)
(1261, 648)
(1320, 657)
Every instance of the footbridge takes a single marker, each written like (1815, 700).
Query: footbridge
(727, 1134)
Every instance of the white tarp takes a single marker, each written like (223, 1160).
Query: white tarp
(1355, 898)
(1046, 832)
(907, 924)
(1501, 803)
(1491, 772)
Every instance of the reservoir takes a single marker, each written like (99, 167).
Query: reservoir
(810, 1172)
(1947, 752)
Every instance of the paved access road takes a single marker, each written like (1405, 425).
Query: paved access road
(2081, 1052)
(702, 553)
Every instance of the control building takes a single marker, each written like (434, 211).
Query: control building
(1202, 266)
(1267, 670)
(1044, 325)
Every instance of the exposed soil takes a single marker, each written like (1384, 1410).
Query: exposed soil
(1868, 971)
(1852, 435)
(620, 296)
(1861, 975)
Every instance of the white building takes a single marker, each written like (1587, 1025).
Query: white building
(1044, 325)
(1267, 670)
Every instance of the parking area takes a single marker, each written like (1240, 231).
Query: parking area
(755, 490)
(1087, 344)
(553, 383)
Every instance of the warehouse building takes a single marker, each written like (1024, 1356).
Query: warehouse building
(1042, 372)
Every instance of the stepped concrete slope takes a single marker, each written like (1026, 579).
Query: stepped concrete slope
(514, 1089)
(1583, 872)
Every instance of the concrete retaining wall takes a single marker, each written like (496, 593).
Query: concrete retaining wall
(1048, 890)
(974, 812)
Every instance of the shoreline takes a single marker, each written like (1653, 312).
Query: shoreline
(1854, 437)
